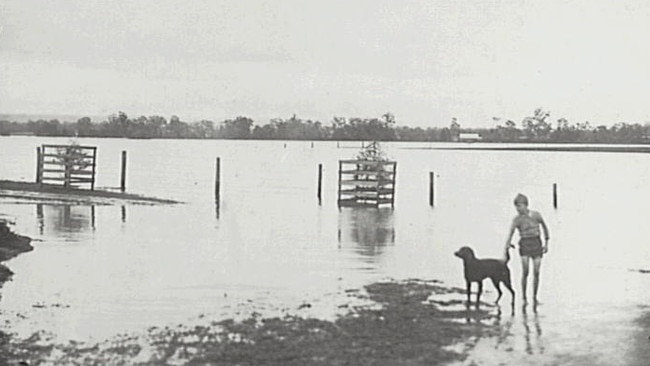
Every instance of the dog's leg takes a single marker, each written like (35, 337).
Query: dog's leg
(469, 289)
(496, 285)
(478, 294)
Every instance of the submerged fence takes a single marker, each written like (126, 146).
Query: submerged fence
(366, 183)
(70, 166)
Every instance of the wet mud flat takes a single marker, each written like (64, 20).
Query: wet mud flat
(11, 245)
(410, 322)
(406, 323)
(44, 193)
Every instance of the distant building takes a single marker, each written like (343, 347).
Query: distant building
(469, 137)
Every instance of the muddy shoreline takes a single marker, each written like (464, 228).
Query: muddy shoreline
(44, 193)
(410, 323)
(11, 245)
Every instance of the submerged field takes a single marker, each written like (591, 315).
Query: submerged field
(279, 264)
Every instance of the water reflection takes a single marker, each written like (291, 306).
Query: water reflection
(532, 332)
(505, 327)
(64, 219)
(40, 219)
(369, 230)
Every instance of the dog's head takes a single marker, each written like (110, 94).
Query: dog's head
(464, 253)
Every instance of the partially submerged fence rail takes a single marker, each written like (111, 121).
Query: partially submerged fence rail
(366, 183)
(70, 166)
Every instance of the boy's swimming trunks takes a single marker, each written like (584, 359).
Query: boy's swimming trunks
(531, 247)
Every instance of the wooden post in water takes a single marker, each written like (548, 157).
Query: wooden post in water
(92, 183)
(431, 188)
(39, 164)
(123, 175)
(554, 195)
(320, 182)
(392, 196)
(217, 182)
(338, 200)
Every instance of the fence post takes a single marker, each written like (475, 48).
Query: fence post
(123, 176)
(39, 165)
(92, 183)
(67, 159)
(554, 195)
(338, 200)
(217, 182)
(320, 182)
(431, 188)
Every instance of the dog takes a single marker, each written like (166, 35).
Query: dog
(476, 270)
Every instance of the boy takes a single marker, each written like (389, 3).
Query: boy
(528, 223)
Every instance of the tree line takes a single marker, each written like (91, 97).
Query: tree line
(538, 127)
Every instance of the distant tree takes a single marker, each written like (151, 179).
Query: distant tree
(341, 129)
(445, 134)
(5, 127)
(118, 125)
(454, 130)
(389, 119)
(156, 126)
(372, 151)
(564, 132)
(368, 129)
(535, 126)
(205, 129)
(264, 132)
(84, 127)
(506, 133)
(43, 127)
(177, 128)
(239, 128)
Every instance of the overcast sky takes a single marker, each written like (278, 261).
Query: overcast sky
(424, 61)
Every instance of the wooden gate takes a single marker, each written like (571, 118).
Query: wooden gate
(70, 166)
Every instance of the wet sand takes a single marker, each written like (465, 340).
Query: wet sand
(50, 193)
(410, 322)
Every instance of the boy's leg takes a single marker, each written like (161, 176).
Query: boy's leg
(537, 264)
(524, 276)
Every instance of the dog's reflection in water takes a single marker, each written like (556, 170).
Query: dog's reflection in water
(487, 313)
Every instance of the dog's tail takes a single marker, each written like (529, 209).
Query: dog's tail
(508, 252)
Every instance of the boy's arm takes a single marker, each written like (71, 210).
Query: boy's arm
(512, 231)
(547, 235)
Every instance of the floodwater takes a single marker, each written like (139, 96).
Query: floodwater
(102, 270)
